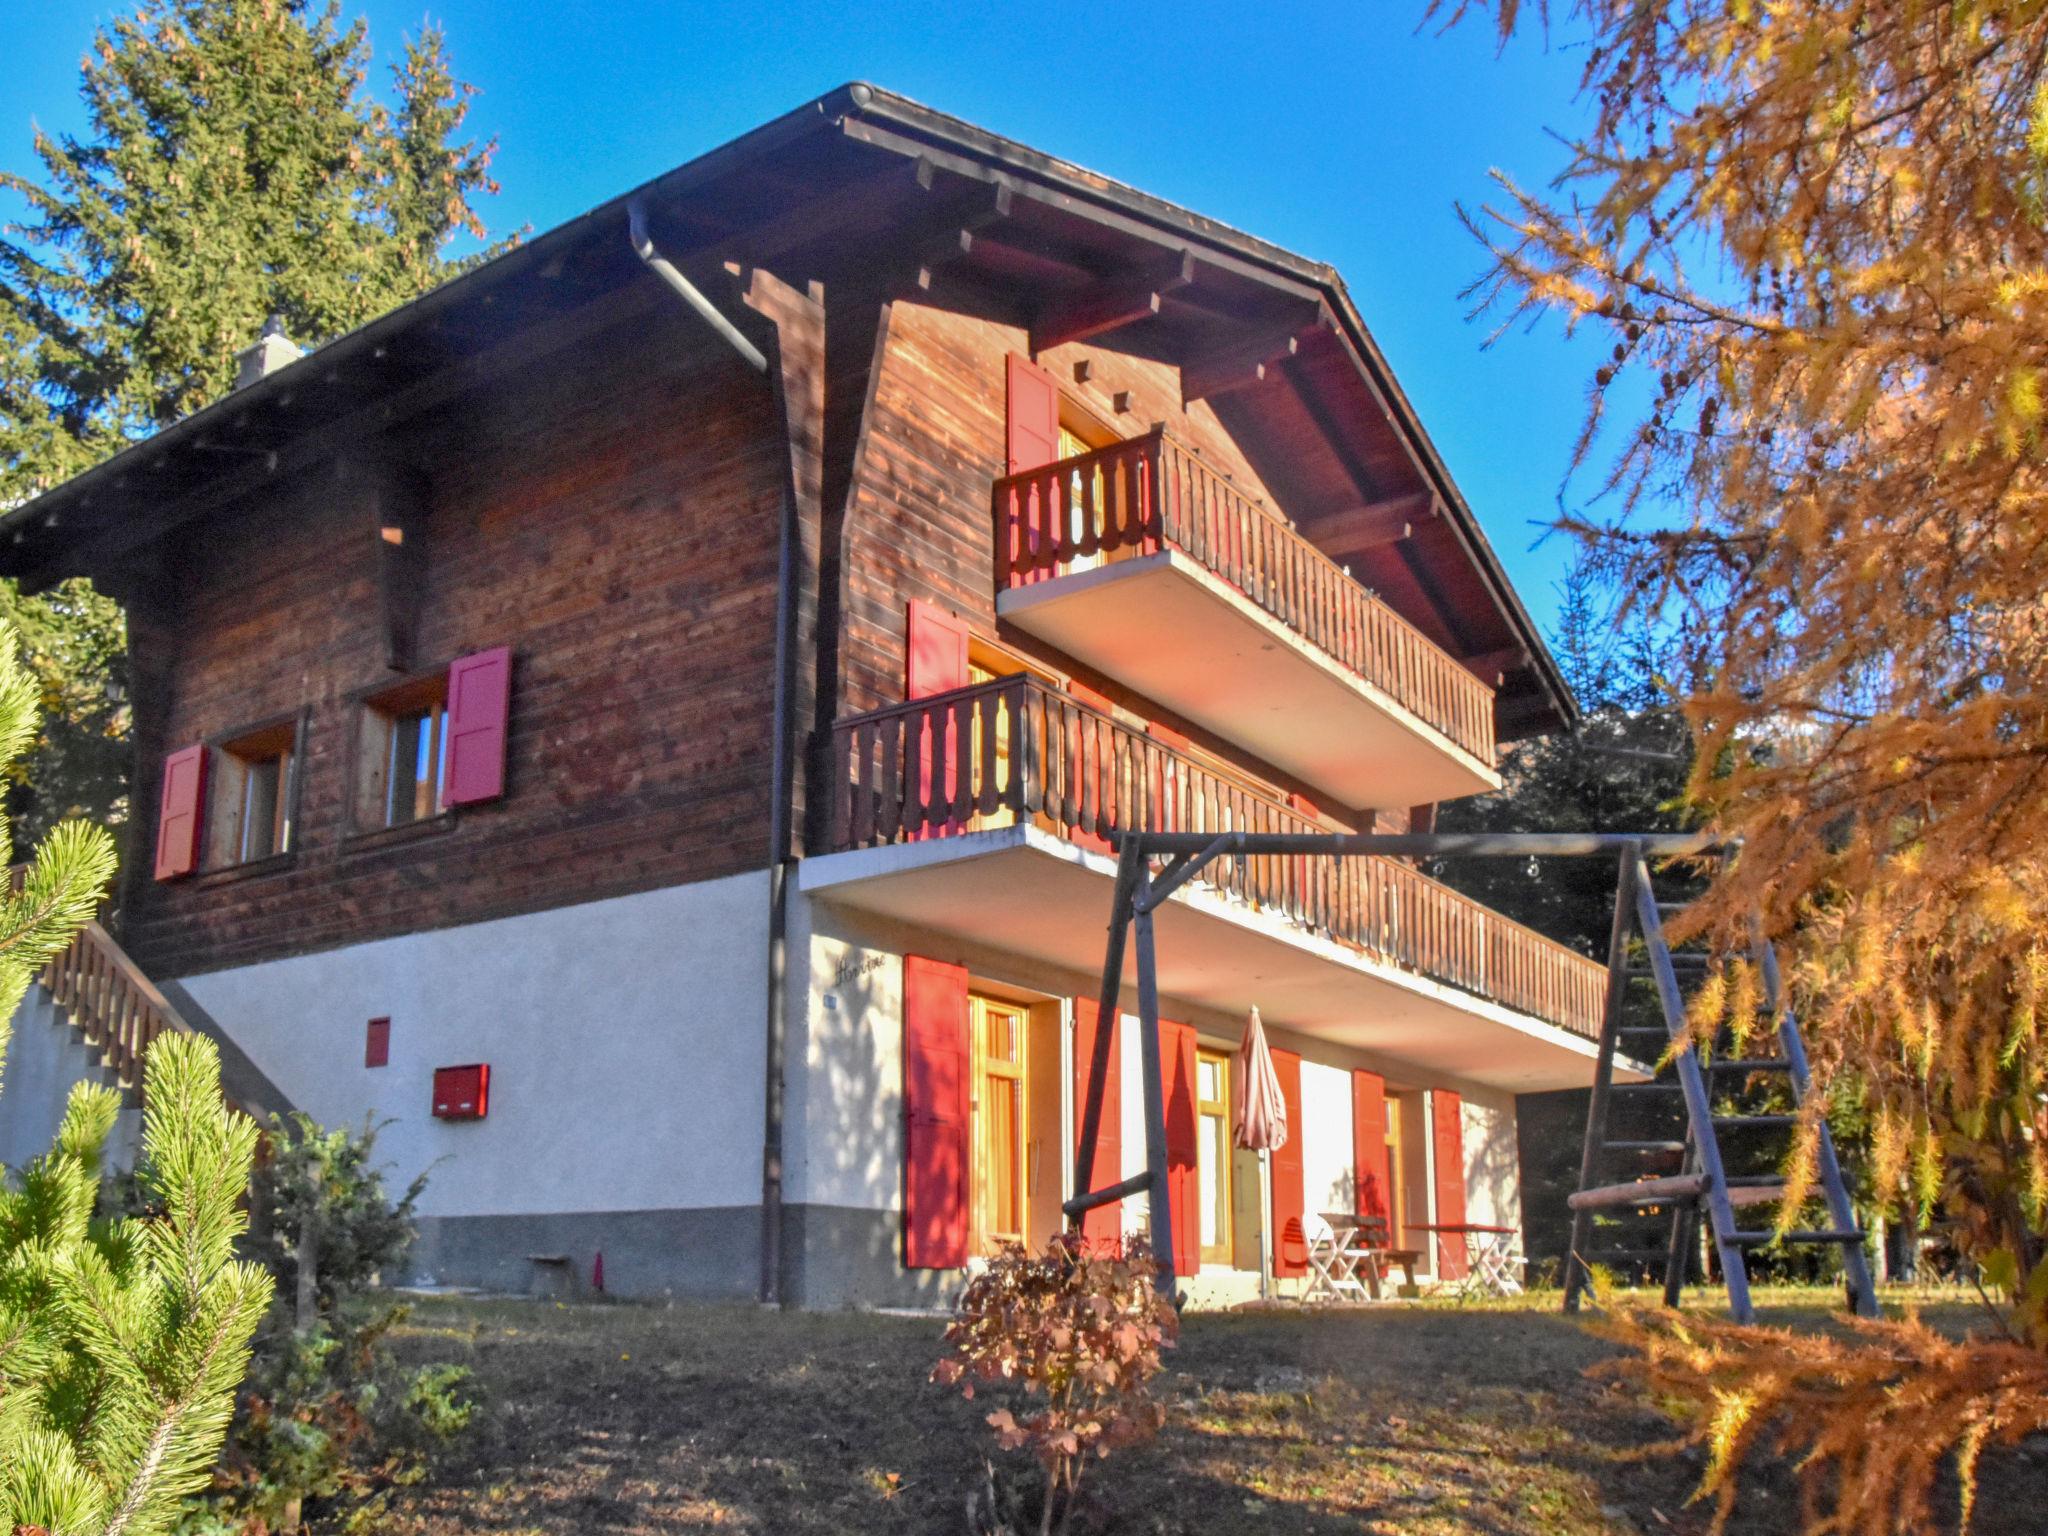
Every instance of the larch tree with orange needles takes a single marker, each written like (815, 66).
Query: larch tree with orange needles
(1816, 234)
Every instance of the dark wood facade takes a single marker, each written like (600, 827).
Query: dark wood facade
(611, 514)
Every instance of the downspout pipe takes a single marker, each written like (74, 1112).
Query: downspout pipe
(659, 265)
(781, 814)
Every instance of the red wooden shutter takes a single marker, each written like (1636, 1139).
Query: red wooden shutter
(479, 709)
(1448, 1128)
(1369, 1170)
(936, 658)
(181, 813)
(934, 662)
(1033, 415)
(1032, 433)
(1288, 1182)
(935, 1099)
(1183, 1144)
(1105, 1223)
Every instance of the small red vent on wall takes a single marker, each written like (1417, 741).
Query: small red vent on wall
(377, 1044)
(462, 1093)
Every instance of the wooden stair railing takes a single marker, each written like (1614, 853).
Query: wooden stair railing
(1015, 750)
(1149, 492)
(110, 1001)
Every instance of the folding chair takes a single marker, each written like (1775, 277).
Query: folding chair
(1330, 1275)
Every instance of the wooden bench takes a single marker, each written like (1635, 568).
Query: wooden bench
(1376, 1255)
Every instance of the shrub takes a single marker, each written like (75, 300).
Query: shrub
(328, 1415)
(1073, 1337)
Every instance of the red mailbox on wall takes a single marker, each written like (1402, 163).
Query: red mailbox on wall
(462, 1093)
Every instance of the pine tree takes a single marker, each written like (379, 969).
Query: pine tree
(237, 166)
(1623, 770)
(121, 1343)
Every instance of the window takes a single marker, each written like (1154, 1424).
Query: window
(1213, 1160)
(1000, 1030)
(402, 755)
(249, 800)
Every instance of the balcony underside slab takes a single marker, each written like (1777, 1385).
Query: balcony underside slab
(1022, 890)
(1176, 633)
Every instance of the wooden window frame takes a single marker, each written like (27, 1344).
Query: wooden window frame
(981, 1239)
(1223, 1250)
(366, 705)
(224, 785)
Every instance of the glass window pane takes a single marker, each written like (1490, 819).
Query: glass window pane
(1210, 1164)
(262, 787)
(402, 792)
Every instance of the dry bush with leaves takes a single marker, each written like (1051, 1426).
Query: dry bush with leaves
(1815, 233)
(1074, 1338)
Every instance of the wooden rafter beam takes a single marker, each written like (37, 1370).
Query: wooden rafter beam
(1369, 486)
(1492, 667)
(948, 235)
(1359, 530)
(1239, 365)
(1110, 304)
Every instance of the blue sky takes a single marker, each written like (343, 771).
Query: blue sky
(1339, 131)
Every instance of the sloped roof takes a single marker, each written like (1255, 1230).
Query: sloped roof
(864, 189)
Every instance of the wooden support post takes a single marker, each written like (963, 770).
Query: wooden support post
(1157, 1199)
(1130, 861)
(1576, 1275)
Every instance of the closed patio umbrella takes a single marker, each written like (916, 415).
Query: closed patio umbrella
(1261, 1125)
(1261, 1108)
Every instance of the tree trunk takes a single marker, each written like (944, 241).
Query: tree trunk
(306, 1310)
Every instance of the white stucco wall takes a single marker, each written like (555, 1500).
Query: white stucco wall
(843, 1109)
(625, 1039)
(1326, 1149)
(1493, 1186)
(844, 1137)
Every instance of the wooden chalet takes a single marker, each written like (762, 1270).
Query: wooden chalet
(664, 757)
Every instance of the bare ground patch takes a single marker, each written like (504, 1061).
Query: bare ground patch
(621, 1420)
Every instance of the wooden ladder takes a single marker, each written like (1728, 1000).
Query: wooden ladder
(1616, 1179)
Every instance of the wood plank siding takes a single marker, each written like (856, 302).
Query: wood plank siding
(610, 512)
(917, 522)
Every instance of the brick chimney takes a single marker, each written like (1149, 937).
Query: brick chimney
(270, 353)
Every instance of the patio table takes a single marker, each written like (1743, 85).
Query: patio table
(1490, 1256)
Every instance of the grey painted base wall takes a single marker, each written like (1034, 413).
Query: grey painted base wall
(833, 1256)
(711, 1254)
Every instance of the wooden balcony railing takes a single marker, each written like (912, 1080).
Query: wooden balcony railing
(111, 1002)
(1152, 492)
(1016, 750)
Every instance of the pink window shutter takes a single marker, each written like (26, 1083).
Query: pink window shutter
(181, 813)
(479, 712)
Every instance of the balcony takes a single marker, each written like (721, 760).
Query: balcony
(1145, 563)
(986, 813)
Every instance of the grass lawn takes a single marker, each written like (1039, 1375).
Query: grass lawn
(1421, 1419)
